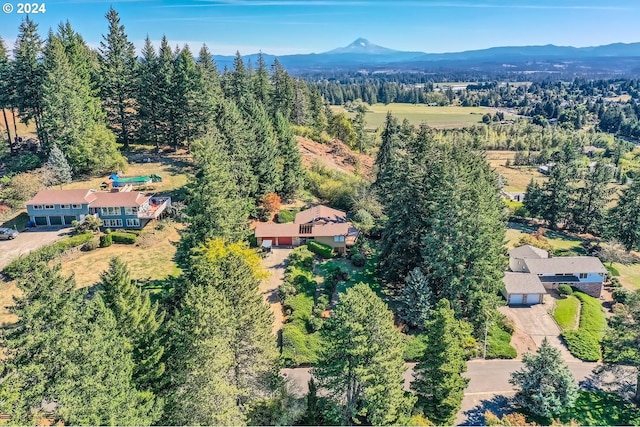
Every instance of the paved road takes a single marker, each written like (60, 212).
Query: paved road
(276, 264)
(28, 241)
(489, 383)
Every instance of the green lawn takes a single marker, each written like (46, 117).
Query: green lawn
(566, 312)
(629, 275)
(560, 242)
(585, 342)
(437, 117)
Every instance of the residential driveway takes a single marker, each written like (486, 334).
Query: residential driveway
(275, 263)
(28, 241)
(534, 324)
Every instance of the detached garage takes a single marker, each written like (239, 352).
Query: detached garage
(523, 289)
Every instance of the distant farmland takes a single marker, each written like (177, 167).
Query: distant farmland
(437, 117)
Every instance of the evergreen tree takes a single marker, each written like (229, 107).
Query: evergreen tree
(545, 385)
(166, 94)
(238, 84)
(210, 92)
(260, 85)
(361, 365)
(624, 218)
(234, 271)
(59, 166)
(118, 77)
(28, 75)
(300, 103)
(66, 349)
(359, 124)
(283, 91)
(438, 382)
(6, 89)
(138, 320)
(416, 299)
(292, 172)
(149, 98)
(185, 94)
(534, 199)
(387, 153)
(319, 120)
(556, 193)
(73, 118)
(239, 145)
(214, 207)
(621, 344)
(590, 200)
(200, 376)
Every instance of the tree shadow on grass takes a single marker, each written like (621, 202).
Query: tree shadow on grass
(498, 405)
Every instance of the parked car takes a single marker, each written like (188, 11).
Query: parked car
(8, 234)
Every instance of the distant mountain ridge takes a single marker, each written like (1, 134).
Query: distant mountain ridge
(361, 53)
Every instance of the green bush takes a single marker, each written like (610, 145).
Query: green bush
(583, 345)
(415, 347)
(592, 317)
(91, 245)
(298, 307)
(565, 290)
(321, 249)
(358, 260)
(612, 270)
(123, 238)
(285, 216)
(315, 323)
(299, 347)
(620, 295)
(301, 256)
(23, 264)
(499, 344)
(106, 240)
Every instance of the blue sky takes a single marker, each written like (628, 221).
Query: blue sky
(303, 26)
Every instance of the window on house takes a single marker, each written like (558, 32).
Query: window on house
(110, 211)
(130, 211)
(583, 275)
(76, 206)
(338, 238)
(133, 222)
(64, 206)
(37, 207)
(49, 206)
(112, 222)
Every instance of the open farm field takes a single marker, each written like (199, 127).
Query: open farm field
(516, 178)
(437, 117)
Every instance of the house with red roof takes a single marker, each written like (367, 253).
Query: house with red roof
(320, 223)
(116, 209)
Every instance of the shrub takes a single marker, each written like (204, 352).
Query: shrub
(321, 249)
(271, 202)
(91, 245)
(123, 238)
(265, 216)
(323, 301)
(299, 307)
(583, 345)
(612, 270)
(620, 295)
(358, 260)
(315, 323)
(298, 347)
(592, 317)
(364, 220)
(24, 264)
(106, 240)
(498, 344)
(285, 216)
(301, 257)
(539, 242)
(565, 290)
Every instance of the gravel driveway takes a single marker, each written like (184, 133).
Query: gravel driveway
(275, 263)
(28, 241)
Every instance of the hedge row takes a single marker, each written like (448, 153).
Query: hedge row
(123, 238)
(499, 344)
(321, 249)
(25, 263)
(584, 343)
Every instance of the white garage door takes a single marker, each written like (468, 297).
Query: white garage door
(515, 299)
(533, 299)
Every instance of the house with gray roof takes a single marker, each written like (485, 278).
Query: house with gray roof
(582, 272)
